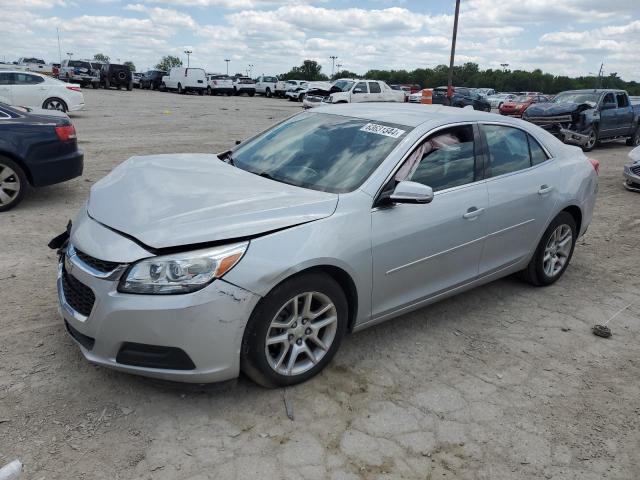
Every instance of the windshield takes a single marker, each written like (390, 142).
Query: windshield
(323, 152)
(342, 86)
(577, 97)
(521, 99)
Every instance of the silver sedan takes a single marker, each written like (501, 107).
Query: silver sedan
(195, 267)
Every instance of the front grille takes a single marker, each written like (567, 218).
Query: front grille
(635, 169)
(77, 295)
(100, 265)
(549, 120)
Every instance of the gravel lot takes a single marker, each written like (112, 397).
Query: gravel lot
(504, 382)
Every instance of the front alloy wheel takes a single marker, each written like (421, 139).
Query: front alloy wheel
(301, 333)
(591, 141)
(295, 330)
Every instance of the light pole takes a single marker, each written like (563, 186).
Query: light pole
(453, 52)
(250, 70)
(504, 66)
(70, 55)
(339, 65)
(188, 52)
(333, 64)
(227, 60)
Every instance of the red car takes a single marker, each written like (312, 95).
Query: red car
(517, 106)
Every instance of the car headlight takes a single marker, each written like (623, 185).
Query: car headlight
(330, 99)
(183, 272)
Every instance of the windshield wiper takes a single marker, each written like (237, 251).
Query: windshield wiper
(271, 177)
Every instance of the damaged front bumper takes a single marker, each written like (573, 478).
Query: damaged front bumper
(573, 138)
(193, 337)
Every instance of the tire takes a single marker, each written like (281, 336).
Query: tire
(267, 93)
(251, 94)
(541, 272)
(119, 87)
(107, 84)
(634, 141)
(13, 184)
(95, 85)
(260, 363)
(130, 86)
(163, 87)
(209, 92)
(593, 139)
(235, 91)
(301, 97)
(55, 103)
(229, 94)
(180, 89)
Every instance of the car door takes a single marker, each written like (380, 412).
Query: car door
(28, 89)
(522, 185)
(422, 250)
(6, 87)
(624, 114)
(608, 126)
(360, 92)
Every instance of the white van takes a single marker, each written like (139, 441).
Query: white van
(183, 80)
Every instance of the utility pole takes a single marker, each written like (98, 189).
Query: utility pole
(227, 60)
(333, 64)
(453, 52)
(188, 52)
(59, 49)
(600, 72)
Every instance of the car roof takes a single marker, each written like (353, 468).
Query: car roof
(410, 115)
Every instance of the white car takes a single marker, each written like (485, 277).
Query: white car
(244, 85)
(353, 91)
(266, 85)
(416, 97)
(498, 99)
(29, 89)
(219, 84)
(185, 79)
(293, 88)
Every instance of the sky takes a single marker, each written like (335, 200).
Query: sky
(563, 37)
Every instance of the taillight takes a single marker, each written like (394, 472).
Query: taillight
(74, 88)
(66, 133)
(596, 165)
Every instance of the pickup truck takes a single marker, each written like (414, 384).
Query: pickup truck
(586, 117)
(266, 85)
(348, 90)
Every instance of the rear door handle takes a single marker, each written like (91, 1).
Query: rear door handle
(544, 189)
(473, 212)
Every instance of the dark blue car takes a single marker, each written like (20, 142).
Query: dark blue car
(37, 148)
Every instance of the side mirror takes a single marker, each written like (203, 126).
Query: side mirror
(412, 192)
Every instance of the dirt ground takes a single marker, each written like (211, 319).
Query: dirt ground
(503, 382)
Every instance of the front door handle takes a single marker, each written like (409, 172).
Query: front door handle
(473, 212)
(544, 189)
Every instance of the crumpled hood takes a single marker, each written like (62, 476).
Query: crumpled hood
(554, 109)
(182, 199)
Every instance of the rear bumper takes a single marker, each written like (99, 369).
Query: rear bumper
(57, 169)
(221, 90)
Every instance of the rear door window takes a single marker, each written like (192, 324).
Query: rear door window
(508, 149)
(26, 79)
(538, 155)
(374, 87)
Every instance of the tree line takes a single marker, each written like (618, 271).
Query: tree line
(470, 75)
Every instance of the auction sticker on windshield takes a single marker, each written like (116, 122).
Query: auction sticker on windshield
(383, 130)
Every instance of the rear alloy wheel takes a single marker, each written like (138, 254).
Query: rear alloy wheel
(634, 141)
(54, 104)
(267, 93)
(553, 254)
(294, 331)
(12, 184)
(592, 140)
